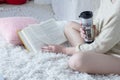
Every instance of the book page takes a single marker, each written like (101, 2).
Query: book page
(30, 41)
(49, 32)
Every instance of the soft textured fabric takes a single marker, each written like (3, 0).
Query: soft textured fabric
(70, 9)
(11, 25)
(108, 24)
(16, 2)
(17, 64)
(2, 1)
(64, 9)
(43, 2)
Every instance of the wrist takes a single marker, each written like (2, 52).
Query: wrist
(64, 50)
(69, 50)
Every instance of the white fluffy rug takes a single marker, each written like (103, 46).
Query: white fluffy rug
(17, 64)
(40, 12)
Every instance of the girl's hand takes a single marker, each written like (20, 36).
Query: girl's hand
(53, 48)
(59, 49)
(82, 32)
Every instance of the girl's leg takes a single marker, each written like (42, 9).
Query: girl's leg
(95, 63)
(72, 32)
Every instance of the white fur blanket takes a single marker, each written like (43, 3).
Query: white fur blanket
(17, 64)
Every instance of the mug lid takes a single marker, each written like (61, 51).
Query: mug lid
(86, 14)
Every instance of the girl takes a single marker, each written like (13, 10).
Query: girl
(101, 56)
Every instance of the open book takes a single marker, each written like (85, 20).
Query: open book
(36, 36)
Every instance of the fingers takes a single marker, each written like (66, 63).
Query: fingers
(48, 48)
(45, 49)
(82, 33)
(52, 48)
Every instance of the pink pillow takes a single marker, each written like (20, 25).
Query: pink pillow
(11, 25)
